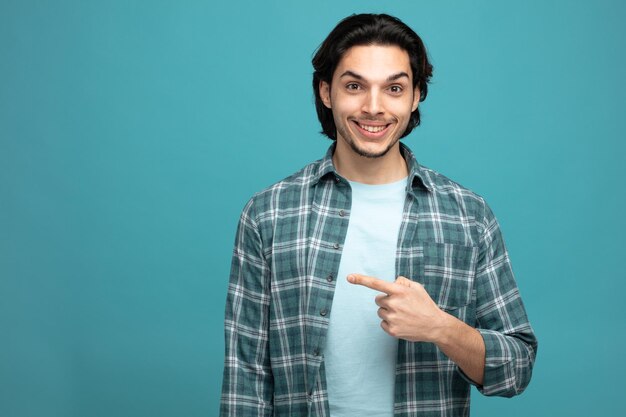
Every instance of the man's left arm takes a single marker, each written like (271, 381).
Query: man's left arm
(509, 340)
(498, 355)
(408, 312)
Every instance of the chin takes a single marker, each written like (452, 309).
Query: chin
(376, 152)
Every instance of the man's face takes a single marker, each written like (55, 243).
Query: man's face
(371, 96)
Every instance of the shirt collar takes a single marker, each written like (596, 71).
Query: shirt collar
(417, 177)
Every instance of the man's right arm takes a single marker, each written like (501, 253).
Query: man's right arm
(247, 387)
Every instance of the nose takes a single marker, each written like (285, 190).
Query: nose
(372, 103)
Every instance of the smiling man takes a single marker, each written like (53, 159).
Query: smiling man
(366, 284)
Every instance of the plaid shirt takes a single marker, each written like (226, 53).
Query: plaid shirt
(287, 252)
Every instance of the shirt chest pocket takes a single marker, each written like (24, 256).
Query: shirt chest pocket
(448, 275)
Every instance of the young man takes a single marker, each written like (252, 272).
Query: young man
(366, 284)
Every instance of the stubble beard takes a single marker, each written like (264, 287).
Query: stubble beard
(362, 152)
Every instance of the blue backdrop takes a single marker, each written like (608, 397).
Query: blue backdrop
(132, 133)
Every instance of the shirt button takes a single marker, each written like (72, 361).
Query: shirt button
(316, 352)
(323, 312)
(329, 278)
(336, 246)
(342, 213)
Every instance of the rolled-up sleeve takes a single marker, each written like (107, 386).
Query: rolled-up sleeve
(510, 343)
(247, 387)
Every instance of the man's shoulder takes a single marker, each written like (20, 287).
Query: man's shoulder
(441, 188)
(451, 192)
(443, 184)
(286, 192)
(294, 183)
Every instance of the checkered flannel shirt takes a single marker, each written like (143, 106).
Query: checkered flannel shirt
(284, 267)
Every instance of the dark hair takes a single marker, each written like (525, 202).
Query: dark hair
(368, 29)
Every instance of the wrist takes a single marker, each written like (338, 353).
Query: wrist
(444, 329)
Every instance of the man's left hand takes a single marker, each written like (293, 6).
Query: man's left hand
(406, 310)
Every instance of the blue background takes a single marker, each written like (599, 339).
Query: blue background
(132, 134)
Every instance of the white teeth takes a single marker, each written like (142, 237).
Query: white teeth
(372, 129)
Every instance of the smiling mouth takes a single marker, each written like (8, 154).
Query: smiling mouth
(371, 129)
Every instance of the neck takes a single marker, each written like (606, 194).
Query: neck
(388, 168)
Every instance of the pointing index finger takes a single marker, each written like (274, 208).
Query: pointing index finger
(373, 283)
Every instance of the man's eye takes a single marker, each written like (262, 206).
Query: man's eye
(352, 86)
(396, 89)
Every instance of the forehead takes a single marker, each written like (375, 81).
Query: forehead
(374, 62)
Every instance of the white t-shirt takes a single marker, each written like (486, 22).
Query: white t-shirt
(360, 358)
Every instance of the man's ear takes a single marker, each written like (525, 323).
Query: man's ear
(325, 93)
(416, 99)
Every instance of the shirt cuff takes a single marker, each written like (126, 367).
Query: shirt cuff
(498, 378)
(497, 364)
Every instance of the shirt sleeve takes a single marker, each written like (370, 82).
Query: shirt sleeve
(510, 343)
(247, 387)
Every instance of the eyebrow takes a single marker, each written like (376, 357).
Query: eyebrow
(393, 77)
